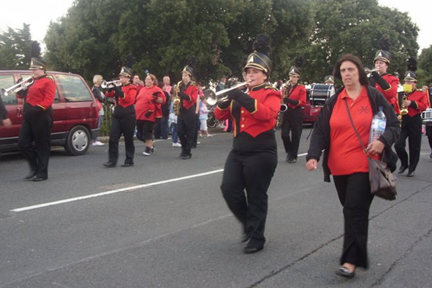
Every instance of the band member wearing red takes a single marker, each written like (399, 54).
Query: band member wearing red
(148, 102)
(384, 82)
(252, 161)
(294, 96)
(416, 101)
(188, 93)
(34, 138)
(123, 119)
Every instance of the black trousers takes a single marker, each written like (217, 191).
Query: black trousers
(354, 195)
(34, 138)
(186, 128)
(122, 123)
(429, 135)
(250, 173)
(411, 128)
(292, 124)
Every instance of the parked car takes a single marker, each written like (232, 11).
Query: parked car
(75, 112)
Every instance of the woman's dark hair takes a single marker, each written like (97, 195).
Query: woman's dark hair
(353, 59)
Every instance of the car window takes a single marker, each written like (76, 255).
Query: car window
(7, 81)
(73, 88)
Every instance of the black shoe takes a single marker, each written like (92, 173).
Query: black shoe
(244, 238)
(410, 174)
(38, 179)
(252, 249)
(430, 156)
(292, 160)
(30, 176)
(127, 165)
(344, 272)
(186, 156)
(288, 157)
(402, 169)
(109, 164)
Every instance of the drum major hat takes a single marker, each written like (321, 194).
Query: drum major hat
(188, 69)
(295, 71)
(410, 76)
(126, 71)
(259, 59)
(37, 63)
(382, 55)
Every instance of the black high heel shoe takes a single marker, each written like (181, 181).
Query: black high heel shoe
(344, 272)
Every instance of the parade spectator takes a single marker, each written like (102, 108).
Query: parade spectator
(99, 95)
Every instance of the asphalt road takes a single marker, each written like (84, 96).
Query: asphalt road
(164, 223)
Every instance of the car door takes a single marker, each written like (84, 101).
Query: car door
(14, 107)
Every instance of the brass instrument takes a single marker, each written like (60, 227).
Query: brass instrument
(407, 88)
(283, 106)
(110, 84)
(369, 71)
(176, 99)
(19, 86)
(212, 97)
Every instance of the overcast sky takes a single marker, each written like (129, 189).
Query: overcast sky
(39, 13)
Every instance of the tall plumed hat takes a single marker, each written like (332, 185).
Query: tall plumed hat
(329, 78)
(126, 70)
(189, 68)
(383, 54)
(37, 63)
(259, 59)
(296, 68)
(410, 75)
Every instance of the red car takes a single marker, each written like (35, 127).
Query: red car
(317, 95)
(75, 112)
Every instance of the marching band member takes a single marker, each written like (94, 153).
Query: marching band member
(123, 119)
(251, 163)
(148, 103)
(187, 90)
(294, 96)
(38, 119)
(416, 101)
(429, 127)
(384, 82)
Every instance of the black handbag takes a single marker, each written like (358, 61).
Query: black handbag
(382, 180)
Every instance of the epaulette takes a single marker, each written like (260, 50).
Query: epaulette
(270, 87)
(193, 83)
(50, 77)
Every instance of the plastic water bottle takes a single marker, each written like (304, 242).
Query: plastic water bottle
(378, 125)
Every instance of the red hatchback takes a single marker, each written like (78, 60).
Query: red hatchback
(75, 112)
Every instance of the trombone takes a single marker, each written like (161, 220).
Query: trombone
(19, 86)
(106, 84)
(213, 97)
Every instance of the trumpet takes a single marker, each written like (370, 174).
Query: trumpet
(19, 86)
(369, 71)
(110, 84)
(213, 97)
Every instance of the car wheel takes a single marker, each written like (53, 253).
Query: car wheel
(77, 141)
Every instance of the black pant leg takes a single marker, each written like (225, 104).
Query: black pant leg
(115, 134)
(41, 130)
(354, 194)
(128, 128)
(285, 133)
(185, 129)
(400, 147)
(414, 141)
(297, 128)
(25, 142)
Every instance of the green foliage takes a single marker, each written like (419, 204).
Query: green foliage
(16, 48)
(425, 66)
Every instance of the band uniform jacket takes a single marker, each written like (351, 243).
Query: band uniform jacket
(41, 93)
(391, 93)
(419, 102)
(146, 105)
(191, 92)
(260, 117)
(129, 95)
(295, 97)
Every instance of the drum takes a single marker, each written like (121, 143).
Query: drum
(319, 93)
(427, 117)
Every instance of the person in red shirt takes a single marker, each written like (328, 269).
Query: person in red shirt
(187, 90)
(148, 102)
(123, 119)
(384, 82)
(137, 82)
(34, 138)
(416, 101)
(344, 157)
(294, 96)
(251, 164)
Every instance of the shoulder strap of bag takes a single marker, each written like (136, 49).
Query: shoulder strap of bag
(352, 124)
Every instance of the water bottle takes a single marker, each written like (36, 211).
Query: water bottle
(378, 125)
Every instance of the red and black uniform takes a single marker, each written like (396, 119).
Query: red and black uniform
(146, 111)
(412, 129)
(122, 122)
(387, 84)
(186, 119)
(295, 99)
(37, 123)
(252, 161)
(429, 127)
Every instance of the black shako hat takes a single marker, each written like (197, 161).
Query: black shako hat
(126, 71)
(329, 78)
(37, 63)
(410, 75)
(383, 54)
(296, 68)
(259, 59)
(188, 69)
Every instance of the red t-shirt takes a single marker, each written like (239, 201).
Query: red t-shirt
(346, 154)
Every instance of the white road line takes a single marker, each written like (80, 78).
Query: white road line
(127, 189)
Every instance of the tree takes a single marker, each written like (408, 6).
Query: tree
(16, 47)
(425, 64)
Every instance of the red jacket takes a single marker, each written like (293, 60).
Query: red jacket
(296, 92)
(262, 119)
(419, 102)
(145, 102)
(41, 93)
(391, 93)
(191, 91)
(129, 91)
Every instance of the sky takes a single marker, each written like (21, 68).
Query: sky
(39, 14)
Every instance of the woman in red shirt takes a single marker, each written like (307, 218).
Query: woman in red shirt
(345, 158)
(148, 107)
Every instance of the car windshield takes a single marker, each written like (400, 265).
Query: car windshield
(74, 89)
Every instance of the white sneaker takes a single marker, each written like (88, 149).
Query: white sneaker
(98, 143)
(176, 144)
